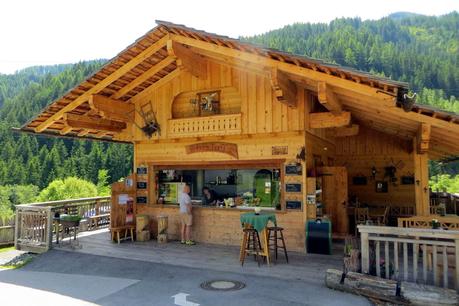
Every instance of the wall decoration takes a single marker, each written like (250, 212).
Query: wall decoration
(311, 199)
(407, 180)
(293, 204)
(142, 170)
(292, 187)
(382, 187)
(141, 185)
(207, 103)
(279, 150)
(294, 169)
(220, 147)
(151, 125)
(141, 200)
(359, 180)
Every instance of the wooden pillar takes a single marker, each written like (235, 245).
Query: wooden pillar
(421, 185)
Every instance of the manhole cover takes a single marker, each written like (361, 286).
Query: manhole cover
(222, 285)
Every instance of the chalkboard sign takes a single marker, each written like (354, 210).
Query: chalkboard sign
(141, 185)
(359, 180)
(142, 170)
(141, 200)
(293, 170)
(407, 180)
(293, 187)
(293, 204)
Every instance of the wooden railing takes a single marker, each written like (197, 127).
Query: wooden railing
(34, 222)
(451, 223)
(397, 253)
(205, 126)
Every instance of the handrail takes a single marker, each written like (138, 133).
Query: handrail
(63, 202)
(402, 231)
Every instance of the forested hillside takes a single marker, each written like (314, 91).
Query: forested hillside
(39, 160)
(423, 51)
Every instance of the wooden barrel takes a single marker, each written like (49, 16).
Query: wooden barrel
(162, 228)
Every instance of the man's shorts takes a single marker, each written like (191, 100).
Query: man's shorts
(186, 219)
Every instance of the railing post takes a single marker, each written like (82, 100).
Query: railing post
(365, 252)
(49, 229)
(457, 263)
(16, 227)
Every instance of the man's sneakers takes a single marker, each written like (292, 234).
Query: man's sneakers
(190, 242)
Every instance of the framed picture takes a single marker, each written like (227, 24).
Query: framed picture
(293, 169)
(293, 187)
(293, 204)
(359, 180)
(382, 187)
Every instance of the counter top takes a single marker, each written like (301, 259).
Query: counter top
(238, 208)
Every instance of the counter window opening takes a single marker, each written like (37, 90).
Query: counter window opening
(225, 187)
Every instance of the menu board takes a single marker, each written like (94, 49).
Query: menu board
(141, 185)
(141, 200)
(293, 169)
(293, 187)
(293, 204)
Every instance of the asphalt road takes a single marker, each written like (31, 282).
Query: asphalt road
(67, 278)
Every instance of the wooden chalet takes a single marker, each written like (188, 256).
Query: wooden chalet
(304, 137)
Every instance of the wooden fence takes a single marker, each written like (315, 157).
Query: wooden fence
(6, 231)
(419, 255)
(34, 222)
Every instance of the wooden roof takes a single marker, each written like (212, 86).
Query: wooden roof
(146, 63)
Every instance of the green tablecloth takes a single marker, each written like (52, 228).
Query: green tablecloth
(259, 222)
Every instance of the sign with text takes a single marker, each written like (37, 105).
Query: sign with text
(219, 147)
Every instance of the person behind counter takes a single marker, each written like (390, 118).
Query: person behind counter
(186, 218)
(209, 197)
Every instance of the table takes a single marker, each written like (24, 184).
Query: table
(259, 223)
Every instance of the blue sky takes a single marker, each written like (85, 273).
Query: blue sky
(49, 32)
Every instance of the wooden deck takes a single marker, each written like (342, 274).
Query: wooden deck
(307, 267)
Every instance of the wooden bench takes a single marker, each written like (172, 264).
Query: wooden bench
(116, 232)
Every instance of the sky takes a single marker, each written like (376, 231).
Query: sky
(50, 32)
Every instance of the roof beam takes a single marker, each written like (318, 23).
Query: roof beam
(423, 138)
(93, 123)
(284, 89)
(144, 76)
(285, 67)
(147, 91)
(186, 58)
(113, 109)
(347, 131)
(104, 83)
(83, 133)
(328, 120)
(328, 98)
(65, 130)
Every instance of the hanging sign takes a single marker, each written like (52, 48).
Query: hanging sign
(220, 147)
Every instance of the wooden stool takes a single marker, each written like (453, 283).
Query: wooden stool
(251, 245)
(274, 230)
(119, 229)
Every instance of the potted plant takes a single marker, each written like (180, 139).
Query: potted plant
(435, 224)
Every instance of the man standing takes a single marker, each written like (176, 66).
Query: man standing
(186, 217)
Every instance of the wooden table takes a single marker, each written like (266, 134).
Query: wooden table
(260, 223)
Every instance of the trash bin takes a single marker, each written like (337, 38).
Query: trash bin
(162, 228)
(318, 236)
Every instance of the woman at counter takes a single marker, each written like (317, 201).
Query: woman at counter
(209, 197)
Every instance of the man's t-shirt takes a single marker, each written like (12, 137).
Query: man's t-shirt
(184, 201)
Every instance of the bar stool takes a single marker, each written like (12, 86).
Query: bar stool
(275, 237)
(251, 245)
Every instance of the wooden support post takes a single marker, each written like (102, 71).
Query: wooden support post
(329, 120)
(186, 58)
(421, 176)
(93, 123)
(347, 131)
(49, 229)
(328, 99)
(423, 138)
(284, 89)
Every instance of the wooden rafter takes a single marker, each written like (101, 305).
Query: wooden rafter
(347, 131)
(328, 98)
(329, 120)
(99, 124)
(83, 133)
(112, 109)
(335, 81)
(65, 130)
(172, 75)
(187, 59)
(104, 83)
(144, 76)
(284, 89)
(423, 138)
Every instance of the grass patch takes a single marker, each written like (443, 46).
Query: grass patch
(6, 249)
(18, 265)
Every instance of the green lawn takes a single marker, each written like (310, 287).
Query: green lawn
(6, 248)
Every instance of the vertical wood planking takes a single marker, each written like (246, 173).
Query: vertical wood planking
(386, 258)
(245, 102)
(268, 105)
(397, 267)
(252, 102)
(445, 267)
(435, 265)
(260, 102)
(424, 263)
(365, 252)
(415, 261)
(405, 261)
